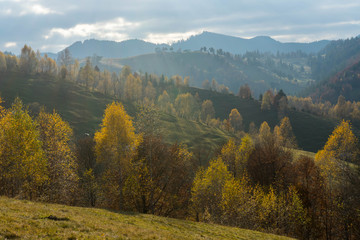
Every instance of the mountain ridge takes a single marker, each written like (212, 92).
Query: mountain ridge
(232, 44)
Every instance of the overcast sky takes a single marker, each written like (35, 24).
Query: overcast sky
(50, 25)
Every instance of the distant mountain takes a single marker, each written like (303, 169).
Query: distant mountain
(235, 45)
(111, 49)
(238, 45)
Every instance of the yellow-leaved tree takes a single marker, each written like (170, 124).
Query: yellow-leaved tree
(23, 165)
(206, 192)
(56, 136)
(236, 120)
(207, 111)
(284, 134)
(235, 156)
(341, 179)
(2, 111)
(115, 145)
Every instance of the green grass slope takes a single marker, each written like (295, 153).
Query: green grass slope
(311, 131)
(32, 220)
(84, 110)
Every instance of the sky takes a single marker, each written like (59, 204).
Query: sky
(50, 26)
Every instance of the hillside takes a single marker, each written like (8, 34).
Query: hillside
(336, 69)
(234, 45)
(237, 45)
(29, 220)
(261, 72)
(346, 83)
(311, 131)
(84, 111)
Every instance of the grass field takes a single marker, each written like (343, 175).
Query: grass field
(32, 220)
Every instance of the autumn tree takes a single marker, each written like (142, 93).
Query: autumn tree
(269, 163)
(65, 59)
(150, 91)
(186, 81)
(133, 88)
(178, 80)
(284, 134)
(2, 110)
(206, 192)
(214, 85)
(236, 119)
(56, 137)
(47, 65)
(310, 186)
(186, 106)
(28, 60)
(23, 170)
(279, 99)
(164, 103)
(245, 92)
(253, 131)
(239, 205)
(105, 85)
(206, 84)
(341, 180)
(88, 171)
(12, 62)
(342, 108)
(159, 182)
(267, 100)
(116, 143)
(3, 66)
(236, 156)
(86, 74)
(207, 111)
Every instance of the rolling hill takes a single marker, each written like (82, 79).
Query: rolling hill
(84, 111)
(32, 220)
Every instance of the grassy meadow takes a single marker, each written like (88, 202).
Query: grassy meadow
(21, 219)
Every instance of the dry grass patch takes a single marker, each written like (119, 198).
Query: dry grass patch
(32, 220)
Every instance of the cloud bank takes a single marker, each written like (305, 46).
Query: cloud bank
(53, 25)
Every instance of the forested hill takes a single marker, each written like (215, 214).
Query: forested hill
(260, 71)
(234, 45)
(237, 45)
(337, 68)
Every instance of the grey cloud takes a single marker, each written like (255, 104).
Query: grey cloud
(287, 20)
